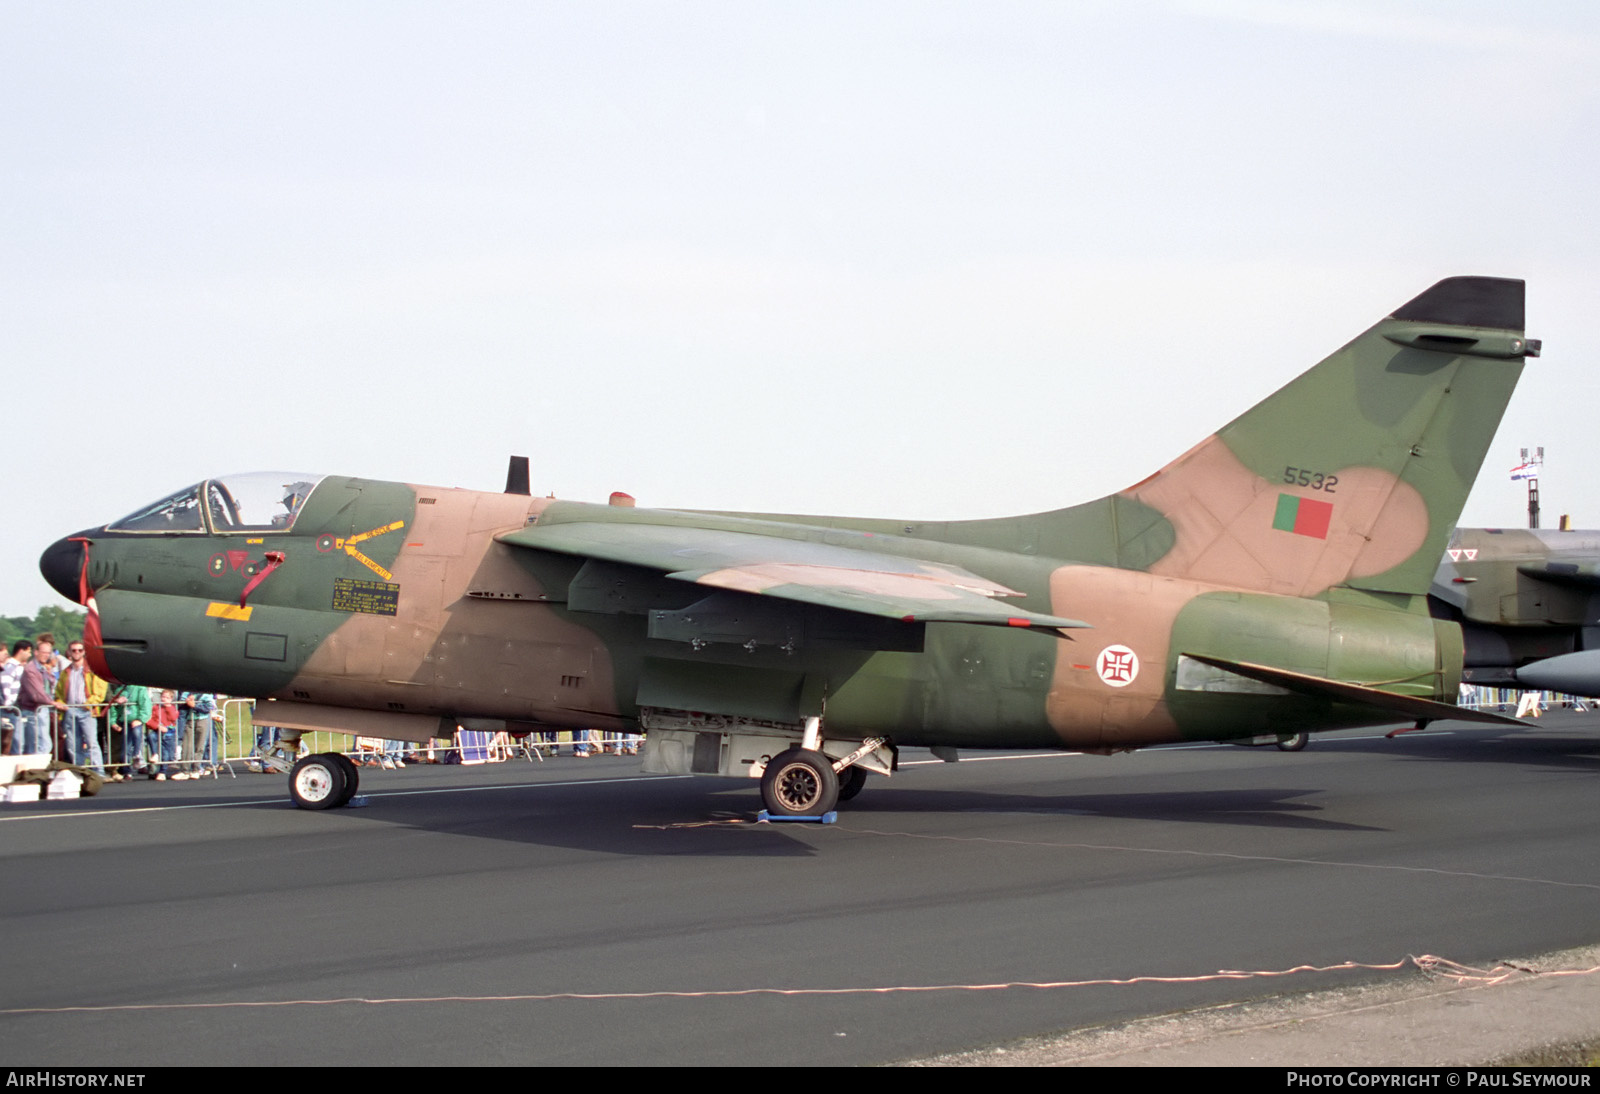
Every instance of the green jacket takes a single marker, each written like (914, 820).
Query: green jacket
(136, 709)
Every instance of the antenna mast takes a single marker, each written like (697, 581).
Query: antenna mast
(1528, 469)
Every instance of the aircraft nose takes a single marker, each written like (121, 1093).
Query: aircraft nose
(61, 564)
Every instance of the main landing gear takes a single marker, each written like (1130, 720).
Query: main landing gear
(1283, 742)
(799, 782)
(802, 772)
(851, 780)
(805, 782)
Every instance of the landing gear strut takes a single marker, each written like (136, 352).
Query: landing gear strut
(282, 753)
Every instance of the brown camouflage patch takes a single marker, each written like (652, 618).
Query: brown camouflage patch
(454, 652)
(924, 586)
(1223, 513)
(1127, 608)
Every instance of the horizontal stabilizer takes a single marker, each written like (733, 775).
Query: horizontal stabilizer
(849, 579)
(1407, 706)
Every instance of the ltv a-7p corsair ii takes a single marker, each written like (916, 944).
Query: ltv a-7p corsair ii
(1271, 580)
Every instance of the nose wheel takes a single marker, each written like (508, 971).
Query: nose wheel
(325, 780)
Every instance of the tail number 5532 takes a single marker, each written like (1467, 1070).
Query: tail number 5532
(1316, 480)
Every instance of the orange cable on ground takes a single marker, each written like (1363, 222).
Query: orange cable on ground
(1428, 964)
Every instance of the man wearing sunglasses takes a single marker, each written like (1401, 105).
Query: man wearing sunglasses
(80, 696)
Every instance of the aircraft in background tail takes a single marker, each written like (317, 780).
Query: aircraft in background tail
(1528, 603)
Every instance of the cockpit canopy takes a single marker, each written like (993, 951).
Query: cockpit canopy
(261, 501)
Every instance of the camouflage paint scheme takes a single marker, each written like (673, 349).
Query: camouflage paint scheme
(1274, 578)
(1528, 602)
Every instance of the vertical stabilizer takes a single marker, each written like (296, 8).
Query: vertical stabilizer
(1355, 472)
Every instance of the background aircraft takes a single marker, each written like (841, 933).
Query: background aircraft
(1273, 579)
(1528, 602)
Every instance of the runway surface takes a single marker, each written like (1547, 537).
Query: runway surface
(577, 912)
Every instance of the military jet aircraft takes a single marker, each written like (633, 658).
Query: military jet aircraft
(1528, 602)
(1272, 579)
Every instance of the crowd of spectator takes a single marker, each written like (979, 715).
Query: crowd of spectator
(56, 705)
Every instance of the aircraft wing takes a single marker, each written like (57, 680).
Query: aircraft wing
(852, 579)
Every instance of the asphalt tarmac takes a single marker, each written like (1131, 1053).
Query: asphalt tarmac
(577, 912)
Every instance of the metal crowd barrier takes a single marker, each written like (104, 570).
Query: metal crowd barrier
(192, 747)
(20, 729)
(534, 746)
(215, 742)
(66, 738)
(1524, 703)
(241, 742)
(231, 733)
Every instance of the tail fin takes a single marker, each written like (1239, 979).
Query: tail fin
(1355, 473)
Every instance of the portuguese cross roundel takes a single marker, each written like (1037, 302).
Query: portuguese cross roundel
(1117, 666)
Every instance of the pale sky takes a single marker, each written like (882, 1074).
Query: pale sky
(932, 260)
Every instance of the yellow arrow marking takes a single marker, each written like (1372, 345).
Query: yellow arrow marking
(375, 532)
(349, 548)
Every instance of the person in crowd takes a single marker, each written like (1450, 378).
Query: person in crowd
(50, 665)
(80, 697)
(195, 727)
(394, 754)
(50, 662)
(12, 726)
(33, 697)
(217, 740)
(583, 740)
(163, 727)
(128, 709)
(266, 737)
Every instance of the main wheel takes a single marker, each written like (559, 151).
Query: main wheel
(851, 780)
(1294, 742)
(799, 783)
(317, 782)
(352, 777)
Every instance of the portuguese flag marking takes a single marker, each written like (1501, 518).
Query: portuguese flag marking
(1303, 516)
